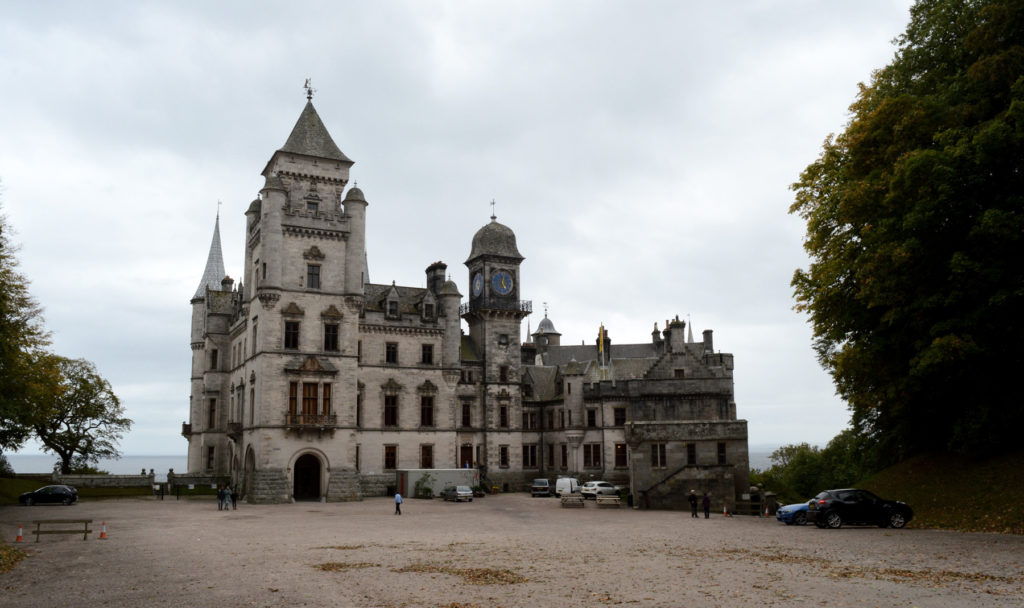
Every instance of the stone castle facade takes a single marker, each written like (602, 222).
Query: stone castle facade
(311, 382)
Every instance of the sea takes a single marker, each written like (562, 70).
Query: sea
(125, 465)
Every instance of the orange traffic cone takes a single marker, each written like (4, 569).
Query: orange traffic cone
(725, 511)
(18, 540)
(766, 512)
(103, 531)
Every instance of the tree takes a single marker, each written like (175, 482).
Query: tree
(79, 419)
(22, 342)
(915, 229)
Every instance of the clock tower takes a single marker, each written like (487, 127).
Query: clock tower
(494, 314)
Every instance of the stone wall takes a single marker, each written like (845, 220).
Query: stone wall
(269, 487)
(105, 481)
(377, 485)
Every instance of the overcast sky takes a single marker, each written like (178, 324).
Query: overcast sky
(641, 151)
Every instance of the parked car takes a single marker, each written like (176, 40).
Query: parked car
(50, 494)
(457, 493)
(833, 508)
(793, 514)
(540, 487)
(592, 488)
(567, 485)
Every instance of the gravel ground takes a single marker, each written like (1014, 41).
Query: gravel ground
(506, 550)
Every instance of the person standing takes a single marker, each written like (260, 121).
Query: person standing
(234, 497)
(706, 502)
(693, 503)
(398, 503)
(220, 498)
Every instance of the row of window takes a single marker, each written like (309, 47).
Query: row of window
(659, 454)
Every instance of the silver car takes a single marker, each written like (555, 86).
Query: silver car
(592, 488)
(457, 493)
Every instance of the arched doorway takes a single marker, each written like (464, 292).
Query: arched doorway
(307, 478)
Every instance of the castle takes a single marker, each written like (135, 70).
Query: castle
(311, 382)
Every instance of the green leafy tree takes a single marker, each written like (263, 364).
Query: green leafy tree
(79, 418)
(22, 342)
(915, 229)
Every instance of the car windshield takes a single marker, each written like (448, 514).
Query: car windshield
(540, 482)
(463, 489)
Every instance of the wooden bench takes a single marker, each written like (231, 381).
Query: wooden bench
(84, 530)
(572, 500)
(604, 500)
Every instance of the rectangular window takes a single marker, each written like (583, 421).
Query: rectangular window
(503, 373)
(426, 410)
(721, 453)
(426, 456)
(621, 460)
(312, 276)
(620, 416)
(390, 410)
(390, 457)
(551, 455)
(213, 359)
(529, 456)
(331, 337)
(467, 418)
(591, 418)
(312, 206)
(428, 311)
(291, 334)
(527, 390)
(503, 456)
(565, 456)
(359, 351)
(427, 354)
(393, 309)
(679, 373)
(503, 416)
(309, 399)
(358, 468)
(391, 352)
(658, 455)
(691, 453)
(592, 455)
(212, 414)
(326, 404)
(293, 398)
(551, 419)
(264, 267)
(209, 460)
(359, 410)
(561, 419)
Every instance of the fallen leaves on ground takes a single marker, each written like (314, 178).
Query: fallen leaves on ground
(9, 557)
(470, 576)
(342, 566)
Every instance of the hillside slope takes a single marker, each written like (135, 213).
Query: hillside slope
(951, 492)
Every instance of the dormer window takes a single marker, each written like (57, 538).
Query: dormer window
(428, 311)
(393, 309)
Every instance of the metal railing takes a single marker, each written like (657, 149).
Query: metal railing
(496, 304)
(310, 419)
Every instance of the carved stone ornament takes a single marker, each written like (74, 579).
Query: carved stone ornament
(313, 253)
(391, 387)
(428, 388)
(292, 310)
(252, 377)
(331, 313)
(268, 299)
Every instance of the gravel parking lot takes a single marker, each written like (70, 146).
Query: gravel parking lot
(506, 550)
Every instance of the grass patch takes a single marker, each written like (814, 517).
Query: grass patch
(9, 558)
(957, 493)
(343, 566)
(470, 576)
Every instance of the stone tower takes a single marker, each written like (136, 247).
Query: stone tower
(494, 315)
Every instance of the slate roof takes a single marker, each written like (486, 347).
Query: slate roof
(495, 239)
(214, 272)
(310, 137)
(408, 297)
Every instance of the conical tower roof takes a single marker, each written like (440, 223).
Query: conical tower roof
(310, 137)
(214, 272)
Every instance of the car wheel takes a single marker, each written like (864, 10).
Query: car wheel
(67, 501)
(833, 520)
(800, 518)
(896, 520)
(29, 501)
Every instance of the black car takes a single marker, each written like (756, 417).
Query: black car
(833, 508)
(50, 494)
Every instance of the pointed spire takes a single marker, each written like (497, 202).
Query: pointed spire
(214, 272)
(689, 329)
(309, 137)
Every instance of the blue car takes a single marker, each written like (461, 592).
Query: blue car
(793, 514)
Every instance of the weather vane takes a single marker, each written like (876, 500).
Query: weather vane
(493, 216)
(545, 310)
(309, 89)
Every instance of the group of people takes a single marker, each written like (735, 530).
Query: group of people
(705, 502)
(227, 497)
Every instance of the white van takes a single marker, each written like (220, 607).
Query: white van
(567, 485)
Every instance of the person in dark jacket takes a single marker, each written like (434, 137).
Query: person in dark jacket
(706, 501)
(693, 503)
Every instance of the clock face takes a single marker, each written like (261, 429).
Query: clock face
(478, 284)
(502, 282)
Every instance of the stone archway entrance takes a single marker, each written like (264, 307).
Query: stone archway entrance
(306, 478)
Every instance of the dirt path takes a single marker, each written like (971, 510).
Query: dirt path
(507, 550)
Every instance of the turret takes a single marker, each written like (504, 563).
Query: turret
(435, 276)
(676, 335)
(355, 254)
(450, 298)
